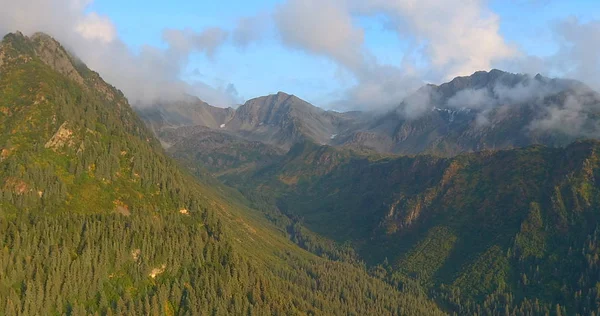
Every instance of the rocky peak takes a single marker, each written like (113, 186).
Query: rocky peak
(481, 80)
(44, 47)
(270, 109)
(56, 56)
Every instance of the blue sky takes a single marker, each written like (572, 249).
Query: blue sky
(383, 48)
(259, 70)
(528, 23)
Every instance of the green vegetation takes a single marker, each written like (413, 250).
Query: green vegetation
(428, 256)
(95, 219)
(484, 233)
(173, 265)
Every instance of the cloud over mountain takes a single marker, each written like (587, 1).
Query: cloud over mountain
(440, 40)
(153, 73)
(447, 37)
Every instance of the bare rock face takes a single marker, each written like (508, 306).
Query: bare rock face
(54, 55)
(62, 137)
(4, 153)
(189, 111)
(283, 120)
(1, 58)
(157, 271)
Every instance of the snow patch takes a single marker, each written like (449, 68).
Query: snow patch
(451, 112)
(222, 126)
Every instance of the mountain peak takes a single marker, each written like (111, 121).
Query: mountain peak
(16, 44)
(278, 100)
(13, 36)
(20, 47)
(481, 79)
(41, 36)
(19, 36)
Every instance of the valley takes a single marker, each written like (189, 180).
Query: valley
(469, 212)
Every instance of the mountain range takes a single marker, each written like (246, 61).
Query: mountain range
(471, 191)
(487, 110)
(479, 196)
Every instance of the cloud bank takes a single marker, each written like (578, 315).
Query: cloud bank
(444, 39)
(451, 40)
(150, 75)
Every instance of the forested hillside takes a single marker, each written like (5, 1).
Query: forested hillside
(95, 219)
(492, 232)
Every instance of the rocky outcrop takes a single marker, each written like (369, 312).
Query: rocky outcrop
(55, 56)
(1, 58)
(62, 137)
(158, 271)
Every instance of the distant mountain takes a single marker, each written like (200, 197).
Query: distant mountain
(96, 220)
(283, 120)
(257, 133)
(279, 120)
(218, 151)
(487, 110)
(190, 111)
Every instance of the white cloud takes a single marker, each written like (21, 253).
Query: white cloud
(144, 77)
(571, 117)
(452, 39)
(327, 28)
(250, 30)
(323, 27)
(524, 92)
(418, 103)
(447, 38)
(529, 90)
(96, 27)
(458, 38)
(578, 54)
(184, 42)
(477, 99)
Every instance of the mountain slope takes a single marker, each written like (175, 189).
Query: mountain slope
(284, 120)
(279, 120)
(220, 152)
(96, 219)
(69, 139)
(487, 232)
(487, 110)
(190, 111)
